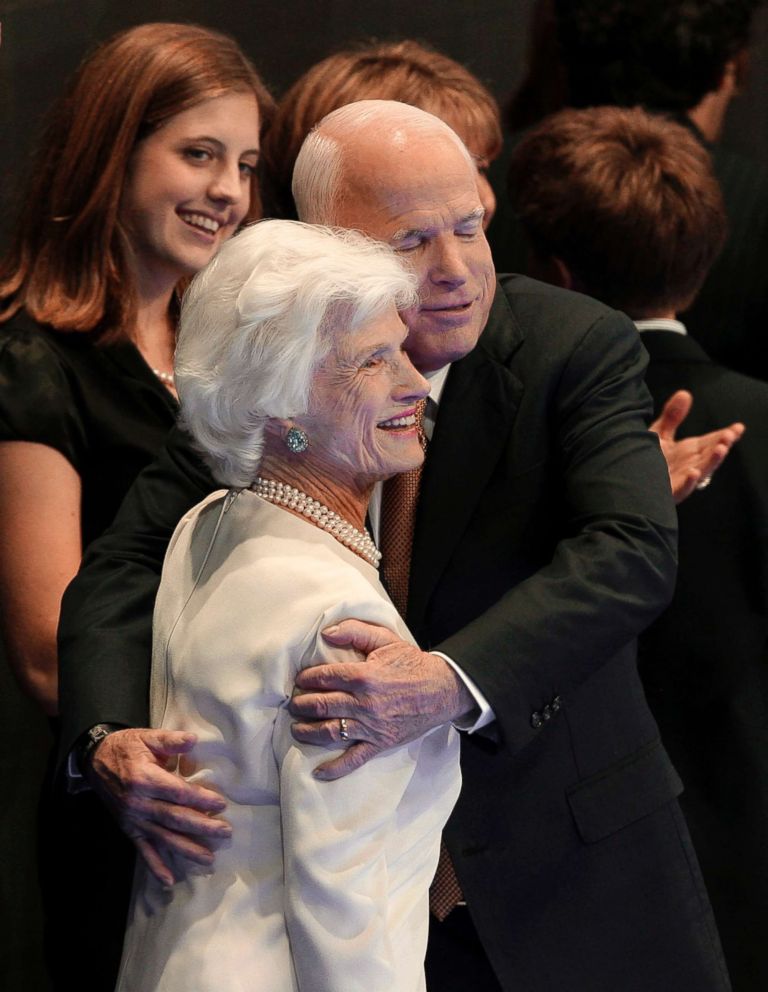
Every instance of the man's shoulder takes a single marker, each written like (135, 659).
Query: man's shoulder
(532, 297)
(524, 308)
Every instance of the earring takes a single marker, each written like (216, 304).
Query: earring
(296, 440)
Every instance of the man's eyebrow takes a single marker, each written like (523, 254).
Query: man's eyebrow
(476, 215)
(409, 232)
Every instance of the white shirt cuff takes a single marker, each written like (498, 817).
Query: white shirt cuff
(76, 781)
(486, 713)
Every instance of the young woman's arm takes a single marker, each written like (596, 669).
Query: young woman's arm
(41, 548)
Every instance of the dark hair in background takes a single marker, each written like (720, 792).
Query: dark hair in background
(626, 200)
(406, 71)
(68, 263)
(542, 90)
(664, 54)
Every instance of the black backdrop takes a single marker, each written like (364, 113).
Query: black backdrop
(43, 41)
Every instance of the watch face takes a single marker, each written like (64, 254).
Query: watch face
(98, 733)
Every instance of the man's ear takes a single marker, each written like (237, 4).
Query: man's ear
(741, 61)
(549, 268)
(563, 276)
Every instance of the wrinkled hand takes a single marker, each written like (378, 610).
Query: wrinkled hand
(394, 696)
(694, 458)
(164, 815)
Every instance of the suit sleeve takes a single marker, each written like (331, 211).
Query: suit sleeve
(614, 563)
(105, 631)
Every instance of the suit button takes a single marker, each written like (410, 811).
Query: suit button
(547, 712)
(556, 704)
(536, 720)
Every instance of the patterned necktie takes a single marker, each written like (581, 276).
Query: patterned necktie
(399, 498)
(445, 892)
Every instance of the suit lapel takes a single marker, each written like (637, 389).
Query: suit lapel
(475, 416)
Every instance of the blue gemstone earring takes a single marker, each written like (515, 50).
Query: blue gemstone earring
(296, 440)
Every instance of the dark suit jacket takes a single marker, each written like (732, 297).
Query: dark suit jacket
(730, 314)
(544, 543)
(704, 662)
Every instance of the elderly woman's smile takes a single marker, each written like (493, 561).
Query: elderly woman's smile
(361, 420)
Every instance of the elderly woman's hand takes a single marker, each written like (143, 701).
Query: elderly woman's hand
(397, 694)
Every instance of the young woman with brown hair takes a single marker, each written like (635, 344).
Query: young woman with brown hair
(148, 164)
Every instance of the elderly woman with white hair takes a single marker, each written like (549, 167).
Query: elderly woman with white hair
(294, 384)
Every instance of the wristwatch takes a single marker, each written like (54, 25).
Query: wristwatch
(90, 740)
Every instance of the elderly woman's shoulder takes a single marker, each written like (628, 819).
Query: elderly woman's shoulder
(240, 533)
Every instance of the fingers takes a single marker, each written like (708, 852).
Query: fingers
(168, 742)
(321, 705)
(674, 412)
(129, 765)
(181, 819)
(682, 488)
(154, 862)
(328, 733)
(353, 758)
(364, 637)
(177, 844)
(166, 816)
(730, 435)
(164, 833)
(159, 784)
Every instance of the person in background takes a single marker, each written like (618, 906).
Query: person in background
(687, 60)
(147, 166)
(407, 71)
(624, 206)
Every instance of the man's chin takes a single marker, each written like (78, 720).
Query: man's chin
(445, 352)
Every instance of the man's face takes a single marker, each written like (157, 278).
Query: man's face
(418, 193)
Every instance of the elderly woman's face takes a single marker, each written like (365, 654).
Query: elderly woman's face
(361, 419)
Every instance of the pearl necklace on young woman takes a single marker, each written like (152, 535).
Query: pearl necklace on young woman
(165, 377)
(294, 499)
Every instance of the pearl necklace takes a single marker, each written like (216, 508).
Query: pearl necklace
(165, 377)
(294, 499)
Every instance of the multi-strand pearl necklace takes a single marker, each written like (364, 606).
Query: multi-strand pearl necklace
(294, 499)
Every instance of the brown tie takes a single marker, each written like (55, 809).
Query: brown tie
(399, 498)
(445, 892)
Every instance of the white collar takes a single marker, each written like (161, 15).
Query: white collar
(437, 383)
(661, 324)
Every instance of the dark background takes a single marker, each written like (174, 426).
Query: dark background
(43, 41)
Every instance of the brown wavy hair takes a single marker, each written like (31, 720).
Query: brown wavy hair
(626, 199)
(68, 264)
(407, 71)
